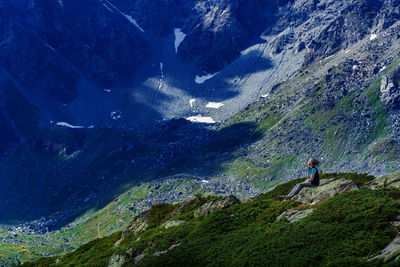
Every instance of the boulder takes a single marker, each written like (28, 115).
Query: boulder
(387, 180)
(327, 189)
(293, 215)
(217, 204)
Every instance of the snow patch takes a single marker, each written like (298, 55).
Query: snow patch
(133, 21)
(129, 18)
(66, 124)
(347, 51)
(204, 181)
(162, 69)
(202, 79)
(214, 105)
(199, 118)
(355, 67)
(373, 36)
(115, 115)
(382, 69)
(265, 96)
(191, 102)
(179, 37)
(107, 90)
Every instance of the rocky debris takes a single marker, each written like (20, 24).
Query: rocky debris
(390, 252)
(390, 92)
(387, 180)
(172, 223)
(217, 204)
(327, 189)
(293, 215)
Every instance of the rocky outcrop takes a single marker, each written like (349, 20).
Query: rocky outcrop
(172, 223)
(218, 204)
(293, 215)
(390, 92)
(327, 189)
(387, 180)
(139, 224)
(391, 252)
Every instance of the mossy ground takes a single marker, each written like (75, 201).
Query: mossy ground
(343, 231)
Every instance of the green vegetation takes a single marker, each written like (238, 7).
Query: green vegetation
(342, 231)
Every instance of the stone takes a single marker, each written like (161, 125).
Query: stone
(217, 204)
(390, 252)
(293, 215)
(328, 188)
(172, 223)
(387, 180)
(117, 261)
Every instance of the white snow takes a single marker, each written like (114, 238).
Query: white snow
(373, 36)
(191, 102)
(202, 79)
(179, 37)
(205, 181)
(382, 69)
(347, 51)
(107, 90)
(201, 119)
(129, 18)
(66, 124)
(133, 21)
(162, 69)
(214, 105)
(115, 115)
(355, 67)
(265, 96)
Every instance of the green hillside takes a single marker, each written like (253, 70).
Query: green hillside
(346, 229)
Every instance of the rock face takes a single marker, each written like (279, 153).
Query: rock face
(138, 224)
(327, 189)
(390, 91)
(218, 204)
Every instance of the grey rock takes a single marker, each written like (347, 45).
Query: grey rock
(390, 252)
(293, 215)
(172, 223)
(218, 204)
(387, 180)
(327, 189)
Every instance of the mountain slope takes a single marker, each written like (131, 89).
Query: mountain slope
(346, 229)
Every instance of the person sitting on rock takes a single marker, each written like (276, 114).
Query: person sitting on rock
(311, 181)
